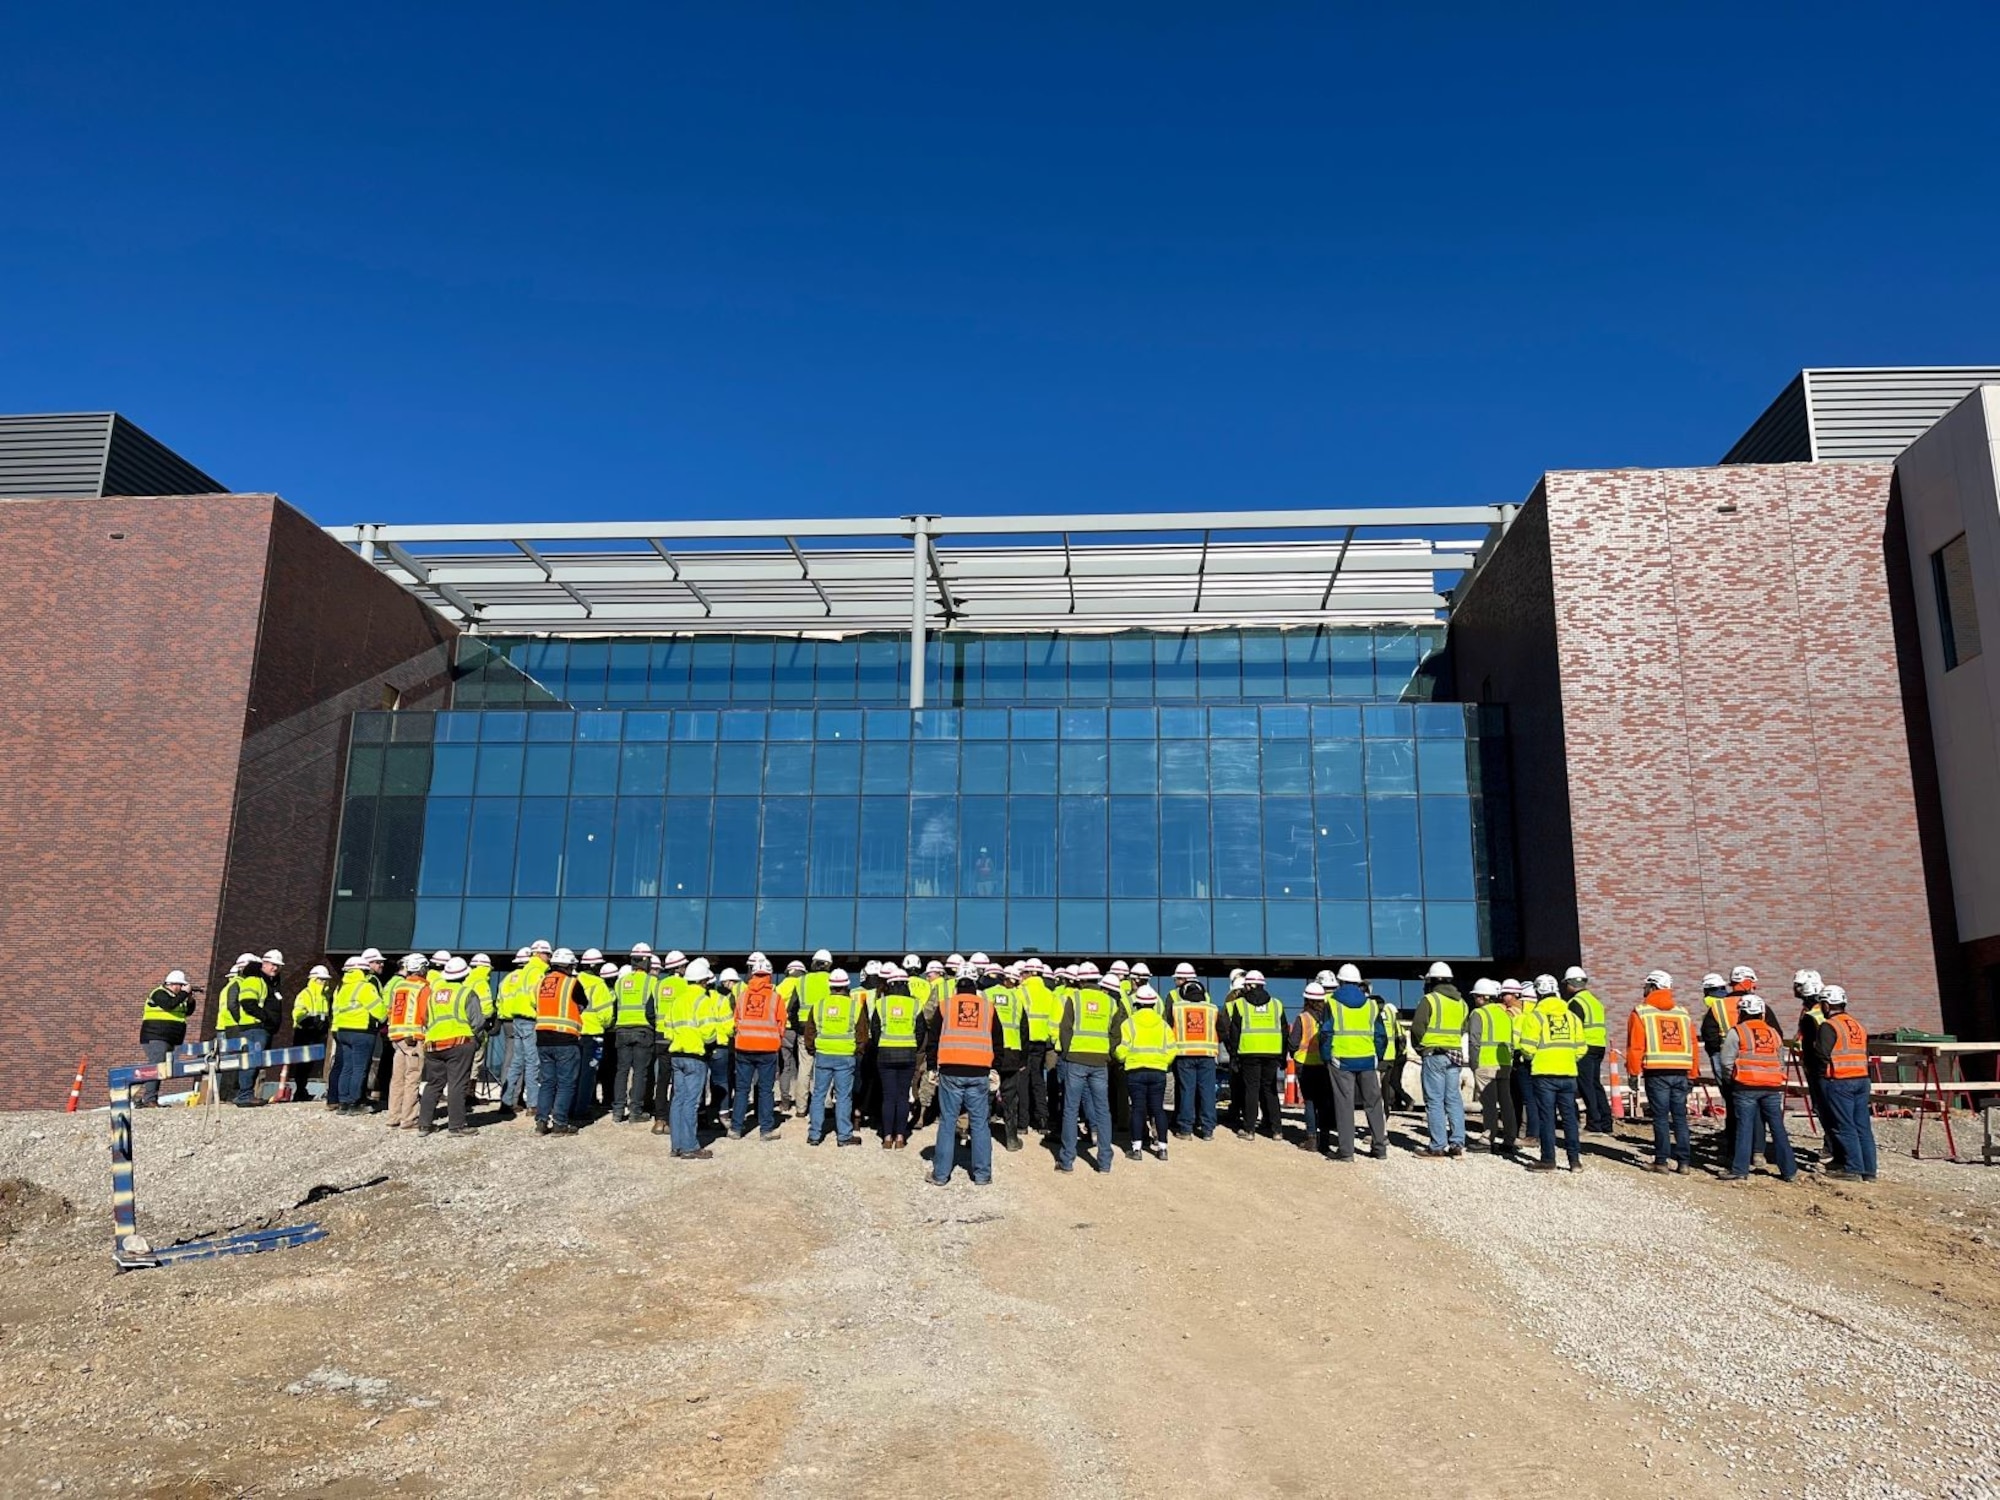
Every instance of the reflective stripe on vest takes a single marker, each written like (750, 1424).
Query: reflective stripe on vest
(1557, 1040)
(1262, 1031)
(1149, 1045)
(162, 1006)
(1307, 1051)
(965, 1035)
(1090, 1031)
(448, 1022)
(1723, 1008)
(517, 994)
(833, 1021)
(1007, 1006)
(1194, 1029)
(1496, 1036)
(1850, 1048)
(1669, 1039)
(634, 990)
(1447, 1028)
(896, 1022)
(409, 999)
(557, 1007)
(312, 1003)
(666, 993)
(356, 1002)
(760, 1018)
(598, 1003)
(1593, 1017)
(677, 1017)
(1760, 1056)
(1350, 1030)
(1044, 1010)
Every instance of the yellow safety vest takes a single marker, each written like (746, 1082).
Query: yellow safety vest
(1007, 1006)
(1091, 1014)
(312, 1003)
(1447, 1028)
(1261, 1030)
(1593, 1017)
(896, 1022)
(1350, 1030)
(1496, 1036)
(834, 1016)
(635, 988)
(1553, 1040)
(450, 1021)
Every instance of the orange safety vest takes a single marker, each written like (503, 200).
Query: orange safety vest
(1307, 1052)
(1760, 1056)
(1669, 1039)
(965, 1038)
(409, 1010)
(1723, 1008)
(1194, 1029)
(1850, 1049)
(557, 1008)
(760, 1019)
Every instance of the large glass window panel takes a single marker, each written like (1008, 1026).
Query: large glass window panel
(1239, 929)
(683, 924)
(642, 771)
(1397, 651)
(878, 927)
(792, 678)
(1395, 867)
(1291, 928)
(667, 671)
(1081, 926)
(1288, 848)
(1134, 724)
(528, 921)
(883, 677)
(1031, 846)
(1174, 659)
(885, 844)
(1341, 824)
(1352, 657)
(651, 725)
(1003, 680)
(1185, 927)
(788, 770)
(789, 724)
(837, 768)
(1132, 667)
(695, 725)
(934, 766)
(933, 846)
(836, 847)
(1451, 929)
(838, 724)
(982, 925)
(587, 847)
(1081, 869)
(1184, 766)
(483, 927)
(983, 724)
(737, 836)
(937, 724)
(709, 671)
(364, 771)
(1287, 766)
(1089, 669)
(1082, 723)
(629, 663)
(589, 663)
(392, 924)
(1034, 723)
(830, 924)
(1083, 766)
(1343, 930)
(750, 672)
(1135, 927)
(551, 728)
(447, 823)
(451, 770)
(1032, 766)
(499, 770)
(373, 729)
(498, 728)
(1047, 668)
(1285, 721)
(944, 671)
(1399, 929)
(1391, 766)
(691, 771)
(1031, 926)
(1337, 767)
(1441, 766)
(1184, 835)
(635, 863)
(1388, 721)
(1233, 723)
(1239, 863)
(1440, 721)
(1135, 765)
(1135, 847)
(731, 926)
(1448, 857)
(835, 664)
(786, 831)
(739, 770)
(1263, 664)
(983, 765)
(357, 848)
(930, 925)
(538, 852)
(584, 923)
(888, 723)
(741, 725)
(886, 767)
(594, 771)
(437, 924)
(489, 861)
(982, 842)
(1306, 669)
(781, 924)
(603, 726)
(684, 867)
(1219, 654)
(1233, 765)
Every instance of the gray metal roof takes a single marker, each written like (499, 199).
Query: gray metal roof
(1856, 415)
(85, 455)
(965, 572)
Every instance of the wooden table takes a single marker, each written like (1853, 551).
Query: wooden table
(1941, 1078)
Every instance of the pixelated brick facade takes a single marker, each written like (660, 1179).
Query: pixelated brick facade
(133, 665)
(1736, 781)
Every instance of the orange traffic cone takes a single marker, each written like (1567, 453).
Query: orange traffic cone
(76, 1089)
(1292, 1099)
(1617, 1089)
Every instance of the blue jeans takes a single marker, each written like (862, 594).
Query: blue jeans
(1444, 1110)
(1667, 1104)
(558, 1064)
(1194, 1095)
(1755, 1107)
(756, 1077)
(257, 1039)
(721, 1074)
(969, 1094)
(1555, 1095)
(684, 1113)
(1086, 1091)
(1146, 1098)
(1847, 1103)
(353, 1053)
(523, 1083)
(837, 1074)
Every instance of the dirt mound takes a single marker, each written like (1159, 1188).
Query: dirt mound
(26, 1205)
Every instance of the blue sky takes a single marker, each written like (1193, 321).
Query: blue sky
(436, 263)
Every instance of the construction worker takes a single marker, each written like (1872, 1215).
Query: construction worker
(312, 1013)
(454, 1018)
(1145, 1045)
(1196, 1041)
(717, 1012)
(1514, 999)
(831, 1030)
(1722, 1018)
(594, 1055)
(798, 1064)
(1395, 1053)
(679, 1018)
(1808, 989)
(246, 1010)
(900, 1029)
(1842, 1045)
(1489, 1041)
(1438, 1033)
(521, 1079)
(559, 1002)
(1659, 1051)
(864, 986)
(1753, 1059)
(964, 1040)
(632, 1037)
(1353, 1041)
(1305, 1050)
(1003, 988)
(1254, 1031)
(1090, 1015)
(1044, 1012)
(1575, 990)
(163, 1025)
(758, 1028)
(409, 994)
(1552, 1036)
(360, 1011)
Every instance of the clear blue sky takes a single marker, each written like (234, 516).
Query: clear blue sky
(506, 262)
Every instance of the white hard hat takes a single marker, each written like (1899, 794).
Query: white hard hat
(1234, 975)
(1545, 984)
(522, 955)
(482, 960)
(980, 959)
(373, 956)
(273, 956)
(1326, 977)
(892, 972)
(727, 976)
(758, 958)
(759, 964)
(244, 960)
(1253, 976)
(1107, 982)
(698, 970)
(675, 958)
(541, 945)
(442, 956)
(1751, 1005)
(795, 966)
(1743, 974)
(1315, 990)
(1659, 979)
(1806, 982)
(1120, 967)
(1573, 972)
(318, 971)
(642, 950)
(1145, 994)
(351, 963)
(957, 960)
(413, 962)
(1714, 982)
(933, 967)
(1183, 971)
(1439, 970)
(1012, 971)
(456, 968)
(175, 976)
(592, 956)
(1140, 971)
(1348, 974)
(562, 958)
(1835, 996)
(837, 979)
(821, 956)
(911, 961)
(872, 968)
(607, 971)
(1512, 987)
(1485, 987)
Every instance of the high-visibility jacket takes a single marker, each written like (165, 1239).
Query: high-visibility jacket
(666, 990)
(1552, 1036)
(559, 1004)
(965, 1030)
(834, 1017)
(1091, 1015)
(359, 1002)
(409, 998)
(1307, 1053)
(1392, 1029)
(1350, 1031)
(814, 986)
(312, 1003)
(479, 982)
(1496, 1036)
(1850, 1047)
(920, 989)
(1194, 1029)
(1447, 1022)
(1044, 1009)
(598, 1004)
(1723, 1009)
(1008, 1007)
(242, 1001)
(1666, 1040)
(1146, 1042)
(164, 1005)
(760, 1017)
(1260, 1028)
(1760, 1055)
(516, 999)
(450, 1022)
(896, 1022)
(1590, 1010)
(717, 1012)
(677, 1017)
(634, 997)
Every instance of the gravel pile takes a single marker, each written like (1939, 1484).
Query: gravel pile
(1791, 1383)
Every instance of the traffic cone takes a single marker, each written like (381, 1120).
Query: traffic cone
(283, 1095)
(1292, 1099)
(1617, 1090)
(76, 1088)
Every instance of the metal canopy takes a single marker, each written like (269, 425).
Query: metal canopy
(1281, 567)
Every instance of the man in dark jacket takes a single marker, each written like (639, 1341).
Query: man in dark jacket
(163, 1025)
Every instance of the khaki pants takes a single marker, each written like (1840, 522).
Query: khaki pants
(405, 1080)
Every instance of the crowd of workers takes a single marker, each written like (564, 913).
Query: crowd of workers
(569, 1037)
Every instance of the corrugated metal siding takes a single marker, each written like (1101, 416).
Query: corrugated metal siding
(83, 455)
(1876, 414)
(1783, 435)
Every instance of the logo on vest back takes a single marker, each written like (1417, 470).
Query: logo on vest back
(967, 1011)
(1196, 1025)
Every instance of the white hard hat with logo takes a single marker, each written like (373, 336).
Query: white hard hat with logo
(413, 963)
(1659, 979)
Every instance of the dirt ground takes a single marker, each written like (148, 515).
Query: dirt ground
(507, 1315)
